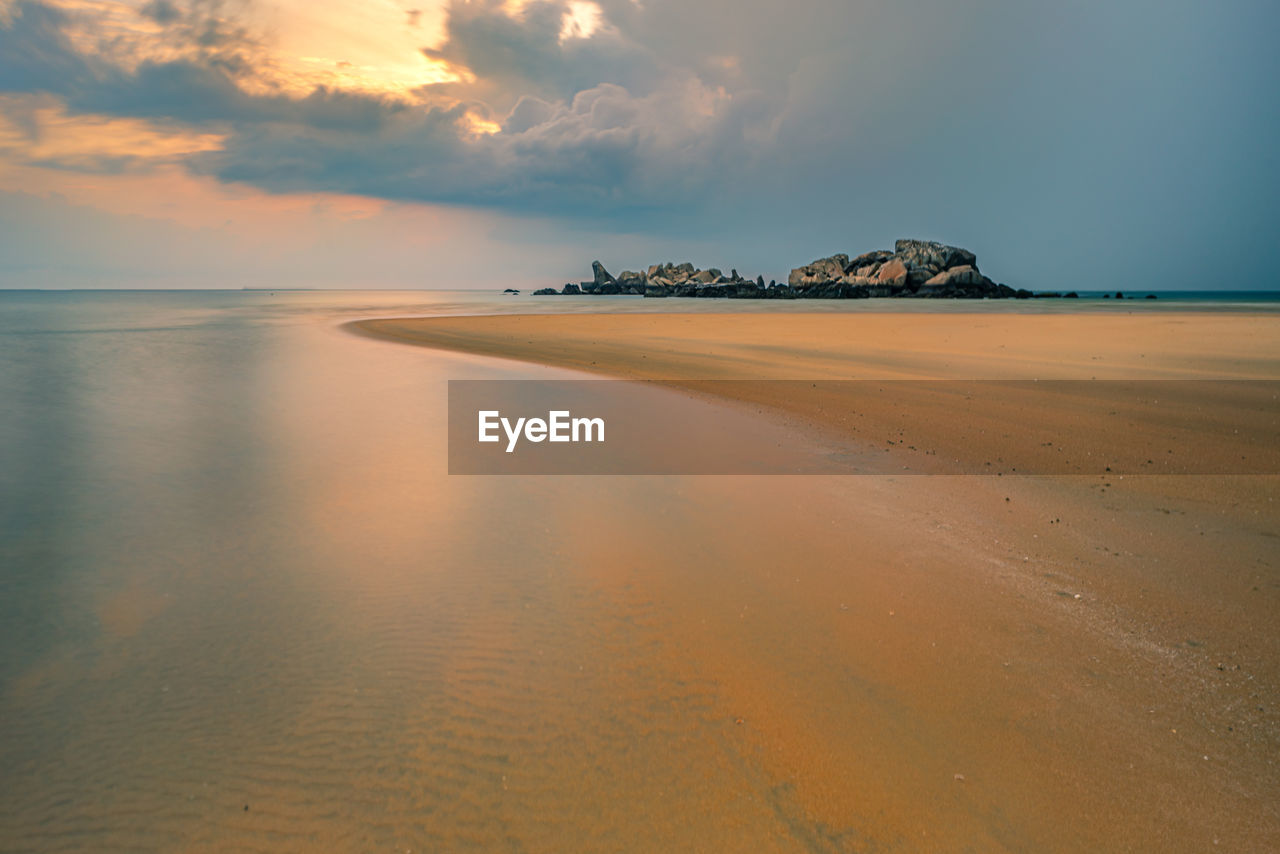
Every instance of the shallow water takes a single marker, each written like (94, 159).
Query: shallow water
(243, 607)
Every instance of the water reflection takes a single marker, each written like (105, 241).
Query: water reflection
(245, 606)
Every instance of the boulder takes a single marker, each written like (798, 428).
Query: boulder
(706, 277)
(928, 253)
(632, 282)
(871, 259)
(545, 292)
(571, 290)
(893, 272)
(511, 291)
(956, 277)
(601, 275)
(917, 276)
(855, 280)
(819, 272)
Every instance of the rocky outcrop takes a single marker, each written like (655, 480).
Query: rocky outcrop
(819, 272)
(602, 277)
(685, 280)
(603, 282)
(914, 268)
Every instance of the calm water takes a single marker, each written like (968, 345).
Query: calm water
(242, 606)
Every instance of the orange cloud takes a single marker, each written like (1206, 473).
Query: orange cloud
(46, 133)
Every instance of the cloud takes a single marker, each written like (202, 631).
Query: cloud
(162, 11)
(584, 125)
(605, 152)
(510, 54)
(35, 53)
(841, 124)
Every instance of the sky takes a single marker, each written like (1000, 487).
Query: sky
(1094, 144)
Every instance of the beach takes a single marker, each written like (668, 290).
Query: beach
(650, 427)
(247, 606)
(939, 663)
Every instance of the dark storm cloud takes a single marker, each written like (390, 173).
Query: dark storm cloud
(513, 56)
(603, 151)
(162, 11)
(35, 53)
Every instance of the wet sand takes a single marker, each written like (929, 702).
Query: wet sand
(941, 663)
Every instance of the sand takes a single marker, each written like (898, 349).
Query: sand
(942, 663)
(941, 422)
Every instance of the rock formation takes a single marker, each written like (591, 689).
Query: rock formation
(915, 268)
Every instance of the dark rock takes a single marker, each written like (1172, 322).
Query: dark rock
(546, 292)
(917, 276)
(956, 277)
(571, 290)
(760, 282)
(893, 273)
(868, 259)
(1071, 295)
(511, 291)
(632, 282)
(601, 275)
(1150, 296)
(820, 272)
(928, 253)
